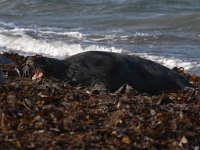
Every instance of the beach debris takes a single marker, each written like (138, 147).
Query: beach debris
(27, 68)
(126, 89)
(52, 114)
(126, 140)
(1, 77)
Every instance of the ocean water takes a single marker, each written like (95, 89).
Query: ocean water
(165, 31)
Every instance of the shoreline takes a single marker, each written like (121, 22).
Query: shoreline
(49, 113)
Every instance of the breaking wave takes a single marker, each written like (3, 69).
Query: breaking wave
(53, 42)
(171, 62)
(18, 40)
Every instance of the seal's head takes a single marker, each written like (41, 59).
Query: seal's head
(48, 67)
(32, 68)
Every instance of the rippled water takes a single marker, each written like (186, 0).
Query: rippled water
(165, 31)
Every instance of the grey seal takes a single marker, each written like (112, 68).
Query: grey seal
(112, 70)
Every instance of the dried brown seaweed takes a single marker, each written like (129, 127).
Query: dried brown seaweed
(50, 114)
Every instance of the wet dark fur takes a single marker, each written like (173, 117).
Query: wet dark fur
(112, 70)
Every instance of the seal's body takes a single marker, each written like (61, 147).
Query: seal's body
(112, 70)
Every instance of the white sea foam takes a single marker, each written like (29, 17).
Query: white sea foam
(20, 31)
(15, 39)
(74, 34)
(171, 62)
(7, 24)
(25, 44)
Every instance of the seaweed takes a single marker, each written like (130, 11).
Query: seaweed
(52, 114)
